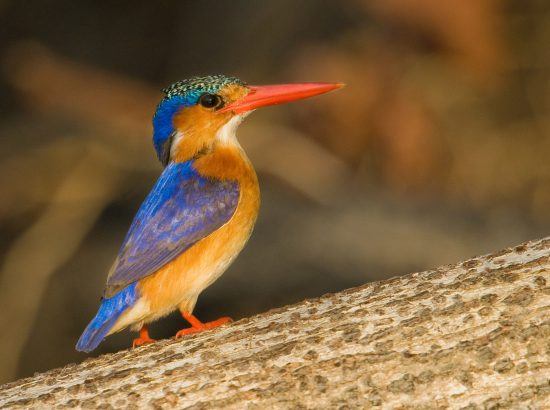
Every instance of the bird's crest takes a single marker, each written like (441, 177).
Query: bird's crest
(211, 83)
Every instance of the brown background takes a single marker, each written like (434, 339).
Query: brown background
(437, 149)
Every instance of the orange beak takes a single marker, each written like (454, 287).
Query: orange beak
(264, 95)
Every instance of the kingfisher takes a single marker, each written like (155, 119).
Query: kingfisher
(199, 214)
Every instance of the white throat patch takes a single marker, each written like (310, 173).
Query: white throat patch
(227, 133)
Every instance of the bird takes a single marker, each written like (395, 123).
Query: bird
(200, 212)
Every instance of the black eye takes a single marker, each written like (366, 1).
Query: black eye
(210, 100)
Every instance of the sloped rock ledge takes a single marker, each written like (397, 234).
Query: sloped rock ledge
(471, 335)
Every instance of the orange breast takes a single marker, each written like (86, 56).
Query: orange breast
(180, 282)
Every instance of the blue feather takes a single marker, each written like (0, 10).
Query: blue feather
(163, 125)
(109, 311)
(182, 208)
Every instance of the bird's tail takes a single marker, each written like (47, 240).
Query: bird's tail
(107, 315)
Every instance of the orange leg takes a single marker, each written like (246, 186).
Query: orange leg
(198, 326)
(143, 338)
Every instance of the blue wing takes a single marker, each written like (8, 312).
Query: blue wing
(182, 208)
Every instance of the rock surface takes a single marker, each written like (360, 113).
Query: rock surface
(471, 335)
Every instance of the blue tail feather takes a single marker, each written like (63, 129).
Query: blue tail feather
(107, 315)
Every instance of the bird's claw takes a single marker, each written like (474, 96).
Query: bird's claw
(140, 341)
(201, 327)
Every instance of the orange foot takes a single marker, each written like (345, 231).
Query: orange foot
(198, 326)
(143, 338)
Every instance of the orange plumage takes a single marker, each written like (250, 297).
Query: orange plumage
(180, 282)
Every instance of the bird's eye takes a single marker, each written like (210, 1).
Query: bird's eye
(210, 100)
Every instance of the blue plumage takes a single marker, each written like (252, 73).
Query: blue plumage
(109, 311)
(163, 126)
(182, 208)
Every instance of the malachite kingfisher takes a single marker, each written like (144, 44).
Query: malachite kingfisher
(199, 214)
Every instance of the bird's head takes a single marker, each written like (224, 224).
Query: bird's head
(198, 113)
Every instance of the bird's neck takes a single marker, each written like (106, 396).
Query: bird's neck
(226, 161)
(203, 135)
(215, 151)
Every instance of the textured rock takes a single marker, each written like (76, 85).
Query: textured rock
(471, 335)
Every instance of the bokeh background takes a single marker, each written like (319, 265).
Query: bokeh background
(437, 149)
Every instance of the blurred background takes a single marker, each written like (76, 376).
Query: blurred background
(437, 150)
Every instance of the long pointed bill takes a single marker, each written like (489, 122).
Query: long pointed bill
(264, 95)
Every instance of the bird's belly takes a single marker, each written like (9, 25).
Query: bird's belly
(181, 281)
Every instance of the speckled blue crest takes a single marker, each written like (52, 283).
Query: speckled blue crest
(198, 85)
